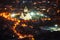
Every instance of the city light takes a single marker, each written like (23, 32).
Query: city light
(42, 14)
(43, 9)
(13, 15)
(29, 19)
(32, 14)
(55, 25)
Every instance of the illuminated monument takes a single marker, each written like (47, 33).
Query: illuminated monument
(25, 14)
